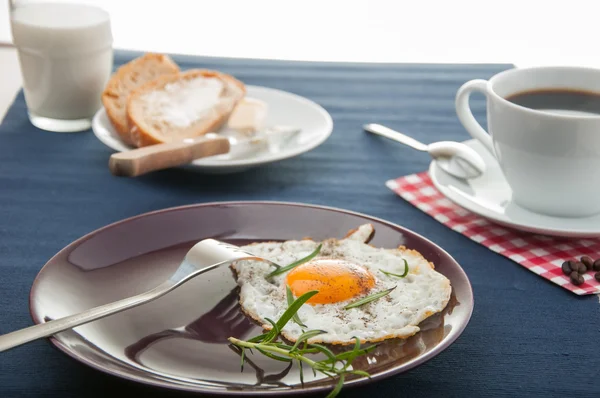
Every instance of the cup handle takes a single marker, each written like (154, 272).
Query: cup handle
(466, 116)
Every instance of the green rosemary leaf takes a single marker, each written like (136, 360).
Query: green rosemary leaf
(243, 358)
(305, 336)
(356, 344)
(273, 333)
(360, 373)
(353, 354)
(273, 356)
(328, 373)
(294, 307)
(258, 339)
(342, 356)
(398, 275)
(301, 373)
(338, 387)
(290, 300)
(330, 355)
(308, 350)
(282, 270)
(368, 299)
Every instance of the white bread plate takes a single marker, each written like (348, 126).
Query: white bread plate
(284, 108)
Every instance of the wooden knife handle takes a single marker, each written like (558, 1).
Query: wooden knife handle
(161, 156)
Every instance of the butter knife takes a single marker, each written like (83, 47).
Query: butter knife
(228, 145)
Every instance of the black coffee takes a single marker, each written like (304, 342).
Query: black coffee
(559, 101)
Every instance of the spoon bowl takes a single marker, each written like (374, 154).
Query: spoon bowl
(455, 158)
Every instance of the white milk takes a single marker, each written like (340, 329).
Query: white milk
(66, 57)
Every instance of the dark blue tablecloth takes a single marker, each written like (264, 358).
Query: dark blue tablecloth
(527, 337)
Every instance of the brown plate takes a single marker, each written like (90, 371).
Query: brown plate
(180, 340)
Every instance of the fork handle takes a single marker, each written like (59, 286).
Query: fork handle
(204, 256)
(19, 337)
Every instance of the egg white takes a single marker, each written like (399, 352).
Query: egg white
(422, 293)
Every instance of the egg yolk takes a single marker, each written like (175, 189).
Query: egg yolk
(336, 280)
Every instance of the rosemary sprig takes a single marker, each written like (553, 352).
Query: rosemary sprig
(398, 275)
(290, 300)
(332, 366)
(282, 270)
(368, 299)
(287, 315)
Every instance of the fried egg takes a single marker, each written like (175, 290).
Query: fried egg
(344, 271)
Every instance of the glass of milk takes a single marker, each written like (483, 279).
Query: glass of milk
(66, 57)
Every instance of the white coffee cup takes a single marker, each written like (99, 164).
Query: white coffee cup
(550, 159)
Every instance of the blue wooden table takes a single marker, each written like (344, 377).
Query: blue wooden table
(527, 337)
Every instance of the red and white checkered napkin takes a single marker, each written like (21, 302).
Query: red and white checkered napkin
(543, 255)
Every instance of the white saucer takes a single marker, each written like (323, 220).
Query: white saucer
(283, 109)
(490, 196)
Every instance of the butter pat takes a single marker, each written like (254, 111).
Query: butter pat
(248, 116)
(185, 102)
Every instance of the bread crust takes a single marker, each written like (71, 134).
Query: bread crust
(141, 136)
(119, 86)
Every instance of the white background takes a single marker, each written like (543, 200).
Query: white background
(517, 31)
(522, 32)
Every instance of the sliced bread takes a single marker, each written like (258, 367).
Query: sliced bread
(128, 77)
(186, 105)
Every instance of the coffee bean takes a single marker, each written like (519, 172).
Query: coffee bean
(579, 267)
(597, 276)
(588, 262)
(566, 267)
(596, 265)
(576, 278)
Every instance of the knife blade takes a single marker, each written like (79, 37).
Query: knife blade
(272, 139)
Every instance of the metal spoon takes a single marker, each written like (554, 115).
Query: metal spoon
(204, 256)
(455, 158)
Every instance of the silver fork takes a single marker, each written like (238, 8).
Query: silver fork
(204, 256)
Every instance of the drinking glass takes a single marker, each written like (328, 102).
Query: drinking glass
(66, 57)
